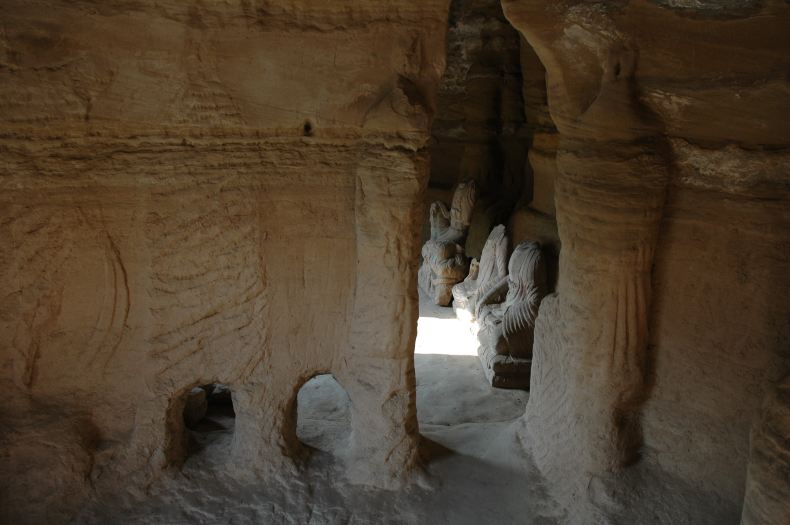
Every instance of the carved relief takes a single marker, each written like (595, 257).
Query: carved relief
(444, 262)
(483, 275)
(507, 329)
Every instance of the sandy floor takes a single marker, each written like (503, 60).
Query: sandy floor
(477, 471)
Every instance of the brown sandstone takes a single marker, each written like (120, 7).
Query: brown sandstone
(198, 193)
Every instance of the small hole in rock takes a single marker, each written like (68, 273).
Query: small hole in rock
(307, 128)
(209, 417)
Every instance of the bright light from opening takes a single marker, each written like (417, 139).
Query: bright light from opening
(439, 332)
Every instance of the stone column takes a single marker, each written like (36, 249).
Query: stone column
(381, 381)
(588, 378)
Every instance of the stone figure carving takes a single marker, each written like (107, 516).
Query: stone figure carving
(483, 275)
(444, 262)
(507, 329)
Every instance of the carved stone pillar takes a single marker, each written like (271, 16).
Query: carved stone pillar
(588, 379)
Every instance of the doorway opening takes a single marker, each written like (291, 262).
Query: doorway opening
(323, 414)
(493, 133)
(209, 419)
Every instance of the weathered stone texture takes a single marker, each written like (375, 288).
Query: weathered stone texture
(210, 193)
(232, 192)
(710, 80)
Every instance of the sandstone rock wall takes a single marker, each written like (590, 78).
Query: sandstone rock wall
(231, 192)
(677, 183)
(207, 192)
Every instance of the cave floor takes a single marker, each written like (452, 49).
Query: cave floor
(475, 468)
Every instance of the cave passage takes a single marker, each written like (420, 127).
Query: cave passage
(479, 174)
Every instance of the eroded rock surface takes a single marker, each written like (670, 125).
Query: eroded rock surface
(670, 242)
(231, 193)
(203, 193)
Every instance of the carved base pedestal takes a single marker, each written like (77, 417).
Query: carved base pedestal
(504, 371)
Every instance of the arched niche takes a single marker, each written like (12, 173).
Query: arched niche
(323, 415)
(201, 422)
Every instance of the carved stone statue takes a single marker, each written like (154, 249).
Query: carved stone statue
(444, 262)
(483, 275)
(507, 329)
